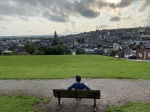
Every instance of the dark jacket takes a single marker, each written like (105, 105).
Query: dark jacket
(78, 86)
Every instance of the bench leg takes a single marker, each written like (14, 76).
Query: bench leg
(58, 104)
(95, 109)
(94, 105)
(59, 101)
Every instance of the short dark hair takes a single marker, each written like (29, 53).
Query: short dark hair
(78, 78)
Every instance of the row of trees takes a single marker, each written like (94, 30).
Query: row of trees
(31, 48)
(44, 50)
(51, 50)
(54, 50)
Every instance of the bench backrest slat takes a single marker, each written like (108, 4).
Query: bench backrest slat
(77, 93)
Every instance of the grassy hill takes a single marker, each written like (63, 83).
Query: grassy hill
(67, 66)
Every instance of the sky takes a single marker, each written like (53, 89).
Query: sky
(44, 17)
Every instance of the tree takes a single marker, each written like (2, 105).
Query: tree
(80, 51)
(55, 50)
(29, 47)
(56, 42)
(64, 50)
(0, 51)
(113, 53)
(38, 52)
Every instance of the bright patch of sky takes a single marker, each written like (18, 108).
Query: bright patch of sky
(44, 17)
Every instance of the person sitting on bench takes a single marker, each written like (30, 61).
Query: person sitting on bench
(78, 85)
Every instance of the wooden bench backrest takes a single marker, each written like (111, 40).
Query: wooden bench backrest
(76, 93)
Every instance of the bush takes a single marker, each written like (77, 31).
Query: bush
(38, 52)
(15, 52)
(7, 53)
(80, 51)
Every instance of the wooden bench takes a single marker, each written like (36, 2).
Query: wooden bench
(90, 94)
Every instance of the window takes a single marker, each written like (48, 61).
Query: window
(148, 54)
(140, 55)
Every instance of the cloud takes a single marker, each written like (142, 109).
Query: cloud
(1, 18)
(144, 5)
(3, 27)
(9, 8)
(58, 10)
(102, 4)
(148, 14)
(24, 18)
(73, 24)
(101, 26)
(125, 3)
(54, 10)
(4, 18)
(89, 13)
(55, 17)
(127, 17)
(146, 21)
(29, 31)
(86, 8)
(121, 4)
(115, 19)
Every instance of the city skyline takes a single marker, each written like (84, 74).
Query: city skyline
(44, 17)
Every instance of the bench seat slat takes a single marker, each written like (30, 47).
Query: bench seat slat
(77, 93)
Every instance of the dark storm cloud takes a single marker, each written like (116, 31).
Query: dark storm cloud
(115, 19)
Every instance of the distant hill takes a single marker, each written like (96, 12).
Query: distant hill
(29, 36)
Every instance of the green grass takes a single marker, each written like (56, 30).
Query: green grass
(131, 107)
(21, 104)
(17, 104)
(26, 104)
(67, 66)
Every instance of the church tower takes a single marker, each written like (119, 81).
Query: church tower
(55, 35)
(56, 40)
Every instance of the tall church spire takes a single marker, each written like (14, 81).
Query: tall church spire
(55, 35)
(56, 40)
